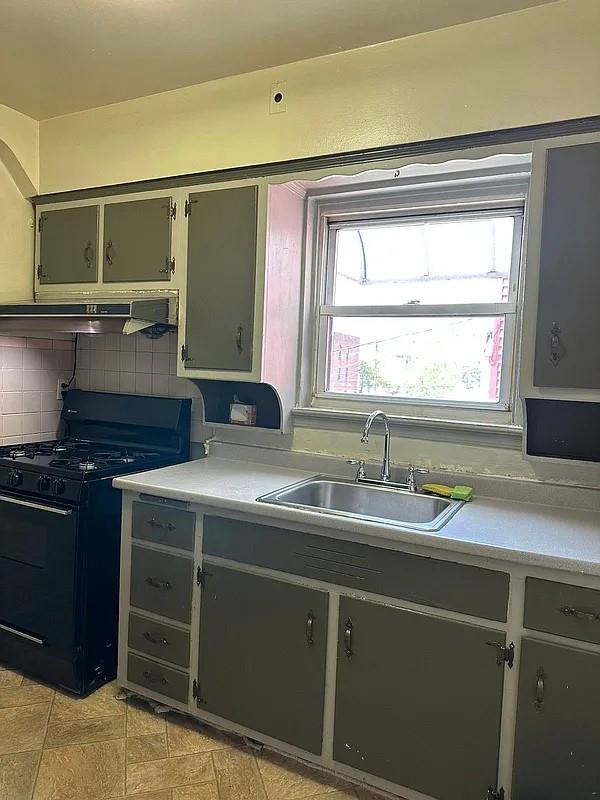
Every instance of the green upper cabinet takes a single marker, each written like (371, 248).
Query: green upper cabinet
(221, 275)
(568, 322)
(68, 245)
(137, 240)
(418, 700)
(262, 655)
(557, 743)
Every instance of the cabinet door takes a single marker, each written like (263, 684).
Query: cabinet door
(68, 245)
(568, 323)
(221, 272)
(262, 655)
(137, 240)
(557, 743)
(418, 700)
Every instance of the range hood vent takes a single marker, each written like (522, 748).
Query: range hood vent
(110, 316)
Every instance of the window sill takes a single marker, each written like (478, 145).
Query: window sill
(462, 432)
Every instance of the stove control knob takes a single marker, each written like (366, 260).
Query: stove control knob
(58, 486)
(14, 478)
(44, 483)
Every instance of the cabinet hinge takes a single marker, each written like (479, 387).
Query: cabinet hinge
(196, 692)
(495, 794)
(185, 354)
(40, 223)
(201, 576)
(505, 654)
(40, 272)
(173, 211)
(169, 267)
(187, 208)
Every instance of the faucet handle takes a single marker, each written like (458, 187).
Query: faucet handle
(360, 472)
(412, 473)
(418, 470)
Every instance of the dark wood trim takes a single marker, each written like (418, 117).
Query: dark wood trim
(486, 139)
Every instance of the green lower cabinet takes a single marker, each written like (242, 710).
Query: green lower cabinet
(418, 700)
(262, 655)
(557, 745)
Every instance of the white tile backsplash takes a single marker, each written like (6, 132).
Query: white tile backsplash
(30, 369)
(133, 364)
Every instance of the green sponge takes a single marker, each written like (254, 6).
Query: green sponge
(462, 493)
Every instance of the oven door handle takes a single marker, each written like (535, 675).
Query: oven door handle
(39, 506)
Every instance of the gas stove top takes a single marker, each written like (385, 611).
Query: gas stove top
(105, 435)
(79, 457)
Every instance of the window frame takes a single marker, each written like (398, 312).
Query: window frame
(496, 195)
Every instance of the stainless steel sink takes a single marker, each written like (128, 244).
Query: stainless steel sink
(346, 498)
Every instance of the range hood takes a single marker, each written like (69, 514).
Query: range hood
(85, 316)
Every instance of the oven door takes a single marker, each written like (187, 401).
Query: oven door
(38, 549)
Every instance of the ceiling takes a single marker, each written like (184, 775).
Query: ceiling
(59, 56)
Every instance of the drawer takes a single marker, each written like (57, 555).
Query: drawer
(159, 640)
(571, 611)
(170, 526)
(431, 582)
(162, 583)
(157, 677)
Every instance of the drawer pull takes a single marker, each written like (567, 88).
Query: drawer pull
(161, 525)
(577, 613)
(157, 584)
(348, 639)
(540, 688)
(154, 639)
(310, 629)
(155, 677)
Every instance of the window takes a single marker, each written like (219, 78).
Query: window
(418, 304)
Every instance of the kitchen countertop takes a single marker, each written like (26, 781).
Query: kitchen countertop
(525, 533)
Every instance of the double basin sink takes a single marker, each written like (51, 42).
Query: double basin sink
(374, 503)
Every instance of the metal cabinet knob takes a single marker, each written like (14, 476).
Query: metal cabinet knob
(348, 639)
(88, 254)
(540, 688)
(556, 346)
(155, 583)
(310, 629)
(155, 677)
(154, 639)
(108, 253)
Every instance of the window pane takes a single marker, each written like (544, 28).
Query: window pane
(451, 260)
(431, 358)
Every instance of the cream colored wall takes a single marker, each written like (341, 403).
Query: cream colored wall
(533, 66)
(19, 179)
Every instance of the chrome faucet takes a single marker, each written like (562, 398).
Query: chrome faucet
(385, 464)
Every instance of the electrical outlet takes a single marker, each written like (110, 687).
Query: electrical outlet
(61, 385)
(278, 98)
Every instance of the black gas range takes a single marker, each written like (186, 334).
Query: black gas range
(60, 531)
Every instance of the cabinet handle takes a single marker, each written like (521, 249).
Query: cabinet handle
(88, 254)
(238, 338)
(161, 525)
(155, 677)
(568, 611)
(348, 639)
(156, 584)
(150, 637)
(310, 629)
(109, 249)
(555, 344)
(540, 688)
